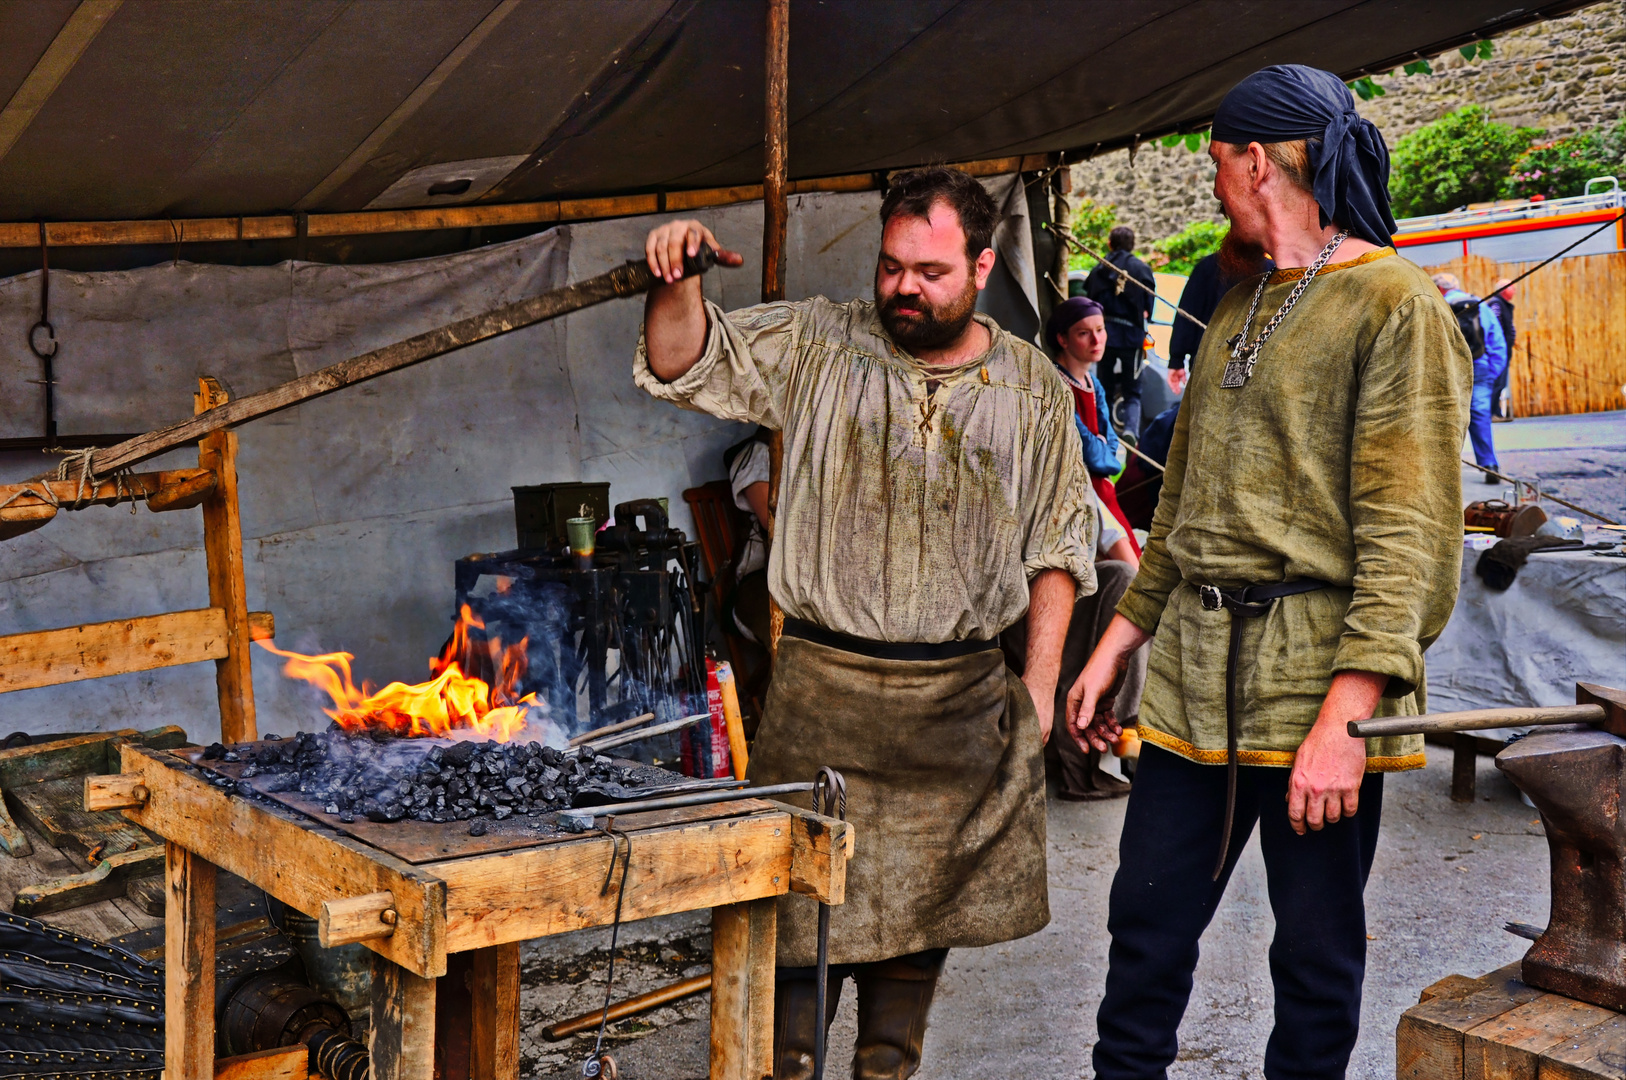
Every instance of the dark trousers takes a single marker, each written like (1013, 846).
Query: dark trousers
(1163, 898)
(1119, 371)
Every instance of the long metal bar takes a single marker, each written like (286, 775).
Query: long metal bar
(1475, 720)
(611, 729)
(1141, 285)
(1543, 494)
(645, 733)
(672, 802)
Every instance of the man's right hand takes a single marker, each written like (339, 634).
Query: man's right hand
(668, 244)
(1090, 717)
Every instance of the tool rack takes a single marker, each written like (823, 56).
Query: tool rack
(735, 858)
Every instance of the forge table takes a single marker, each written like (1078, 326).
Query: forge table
(733, 858)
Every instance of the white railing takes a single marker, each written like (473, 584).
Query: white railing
(1609, 198)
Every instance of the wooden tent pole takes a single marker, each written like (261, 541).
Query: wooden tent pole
(223, 554)
(775, 219)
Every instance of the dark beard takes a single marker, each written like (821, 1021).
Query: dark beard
(1239, 258)
(934, 327)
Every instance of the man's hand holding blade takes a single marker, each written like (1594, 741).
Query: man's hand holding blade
(666, 246)
(1091, 719)
(674, 315)
(1328, 769)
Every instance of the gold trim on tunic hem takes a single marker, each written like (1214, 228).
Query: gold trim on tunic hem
(1276, 758)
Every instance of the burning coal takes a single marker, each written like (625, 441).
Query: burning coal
(473, 690)
(381, 778)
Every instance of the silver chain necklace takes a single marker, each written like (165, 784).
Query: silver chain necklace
(1239, 368)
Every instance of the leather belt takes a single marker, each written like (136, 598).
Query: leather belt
(883, 650)
(1248, 602)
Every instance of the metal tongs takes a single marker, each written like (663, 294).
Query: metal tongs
(829, 786)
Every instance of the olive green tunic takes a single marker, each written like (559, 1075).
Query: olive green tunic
(1338, 460)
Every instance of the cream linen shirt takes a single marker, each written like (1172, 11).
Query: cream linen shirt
(908, 511)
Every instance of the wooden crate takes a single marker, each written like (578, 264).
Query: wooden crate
(1497, 1028)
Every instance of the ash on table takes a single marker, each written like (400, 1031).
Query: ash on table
(430, 780)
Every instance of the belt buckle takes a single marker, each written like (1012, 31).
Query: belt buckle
(1210, 596)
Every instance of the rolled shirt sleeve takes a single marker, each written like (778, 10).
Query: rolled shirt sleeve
(1406, 493)
(743, 370)
(1062, 528)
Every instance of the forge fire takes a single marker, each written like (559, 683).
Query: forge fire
(472, 691)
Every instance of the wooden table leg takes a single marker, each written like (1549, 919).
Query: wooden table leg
(494, 986)
(402, 1044)
(743, 938)
(189, 965)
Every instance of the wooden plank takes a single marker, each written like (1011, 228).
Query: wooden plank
(1598, 1053)
(819, 850)
(111, 877)
(278, 1063)
(356, 918)
(1506, 1048)
(101, 921)
(401, 1043)
(1452, 986)
(518, 895)
(742, 965)
(1429, 1037)
(116, 792)
(97, 650)
(70, 43)
(494, 987)
(12, 838)
(129, 488)
(189, 966)
(297, 861)
(228, 591)
(170, 231)
(73, 756)
(56, 809)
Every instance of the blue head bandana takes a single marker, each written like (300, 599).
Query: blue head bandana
(1350, 162)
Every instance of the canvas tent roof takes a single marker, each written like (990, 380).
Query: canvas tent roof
(194, 108)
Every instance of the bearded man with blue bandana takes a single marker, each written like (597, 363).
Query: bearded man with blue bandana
(1305, 552)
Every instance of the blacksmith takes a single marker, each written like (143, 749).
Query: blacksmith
(932, 494)
(1303, 556)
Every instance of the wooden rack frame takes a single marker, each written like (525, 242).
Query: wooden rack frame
(220, 632)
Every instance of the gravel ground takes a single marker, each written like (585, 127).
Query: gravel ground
(1447, 877)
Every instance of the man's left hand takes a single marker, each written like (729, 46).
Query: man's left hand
(1330, 764)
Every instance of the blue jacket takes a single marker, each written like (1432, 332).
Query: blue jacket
(1489, 367)
(1100, 451)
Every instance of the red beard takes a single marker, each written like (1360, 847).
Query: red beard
(1239, 258)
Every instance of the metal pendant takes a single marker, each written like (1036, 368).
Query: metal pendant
(1237, 369)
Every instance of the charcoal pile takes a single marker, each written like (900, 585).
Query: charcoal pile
(393, 779)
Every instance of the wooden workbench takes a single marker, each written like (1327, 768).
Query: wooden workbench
(483, 904)
(1497, 1027)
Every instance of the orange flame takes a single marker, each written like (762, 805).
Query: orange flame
(450, 701)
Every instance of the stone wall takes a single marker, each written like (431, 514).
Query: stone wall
(1563, 75)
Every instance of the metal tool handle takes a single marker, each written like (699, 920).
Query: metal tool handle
(1475, 720)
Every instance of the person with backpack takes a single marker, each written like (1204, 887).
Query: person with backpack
(1482, 330)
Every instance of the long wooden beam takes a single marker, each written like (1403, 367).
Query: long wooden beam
(197, 483)
(95, 650)
(52, 67)
(26, 234)
(776, 150)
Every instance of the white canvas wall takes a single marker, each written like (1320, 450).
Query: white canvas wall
(355, 506)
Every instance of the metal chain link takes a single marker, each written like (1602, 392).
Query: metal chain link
(1251, 350)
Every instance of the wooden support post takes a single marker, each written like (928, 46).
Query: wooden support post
(223, 548)
(494, 987)
(1464, 765)
(189, 966)
(775, 217)
(402, 1043)
(743, 938)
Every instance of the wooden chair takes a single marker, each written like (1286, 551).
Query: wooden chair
(721, 529)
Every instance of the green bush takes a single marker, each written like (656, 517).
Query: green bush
(1092, 222)
(1561, 168)
(1186, 247)
(1463, 157)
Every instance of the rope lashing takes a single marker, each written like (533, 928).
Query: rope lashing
(75, 465)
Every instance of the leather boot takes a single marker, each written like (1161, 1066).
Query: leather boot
(795, 1000)
(894, 997)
